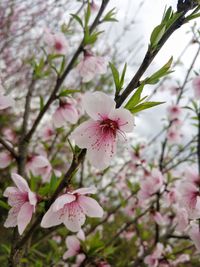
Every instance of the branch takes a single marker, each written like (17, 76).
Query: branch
(9, 148)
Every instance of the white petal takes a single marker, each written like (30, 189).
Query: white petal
(58, 119)
(24, 216)
(73, 243)
(85, 190)
(124, 118)
(10, 191)
(70, 114)
(61, 201)
(90, 206)
(69, 253)
(11, 221)
(74, 217)
(98, 105)
(52, 218)
(20, 182)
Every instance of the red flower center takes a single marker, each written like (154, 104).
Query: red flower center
(58, 46)
(109, 126)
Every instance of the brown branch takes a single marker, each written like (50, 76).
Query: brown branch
(9, 148)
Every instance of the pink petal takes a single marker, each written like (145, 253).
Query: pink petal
(194, 234)
(84, 191)
(61, 201)
(81, 235)
(58, 119)
(124, 118)
(73, 243)
(98, 105)
(5, 160)
(74, 217)
(70, 114)
(11, 220)
(90, 206)
(52, 218)
(24, 216)
(69, 253)
(84, 135)
(20, 182)
(10, 190)
(32, 198)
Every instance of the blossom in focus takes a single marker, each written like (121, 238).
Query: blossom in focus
(100, 134)
(57, 42)
(6, 102)
(66, 112)
(91, 65)
(196, 86)
(5, 159)
(22, 201)
(71, 209)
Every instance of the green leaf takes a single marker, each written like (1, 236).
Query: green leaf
(123, 75)
(165, 70)
(157, 34)
(143, 106)
(87, 14)
(136, 98)
(4, 205)
(78, 19)
(115, 74)
(68, 92)
(110, 16)
(53, 183)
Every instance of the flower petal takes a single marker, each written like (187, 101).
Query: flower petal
(98, 105)
(20, 182)
(124, 119)
(73, 243)
(11, 220)
(52, 218)
(69, 253)
(85, 190)
(74, 217)
(24, 216)
(61, 201)
(90, 206)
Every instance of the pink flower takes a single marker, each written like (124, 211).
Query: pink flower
(56, 42)
(99, 134)
(71, 208)
(173, 135)
(73, 245)
(66, 112)
(196, 86)
(194, 234)
(5, 159)
(150, 185)
(103, 264)
(23, 202)
(174, 112)
(94, 7)
(6, 102)
(39, 165)
(47, 133)
(159, 219)
(90, 66)
(153, 259)
(189, 195)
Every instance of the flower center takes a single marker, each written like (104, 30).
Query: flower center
(109, 126)
(58, 46)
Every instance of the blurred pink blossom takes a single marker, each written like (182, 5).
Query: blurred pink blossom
(196, 86)
(57, 42)
(5, 159)
(194, 234)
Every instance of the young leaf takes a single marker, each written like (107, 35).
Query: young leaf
(165, 70)
(110, 16)
(78, 19)
(136, 98)
(143, 106)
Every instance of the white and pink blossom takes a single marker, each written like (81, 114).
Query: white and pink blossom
(174, 112)
(194, 234)
(100, 134)
(22, 201)
(57, 42)
(5, 159)
(66, 112)
(90, 66)
(71, 209)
